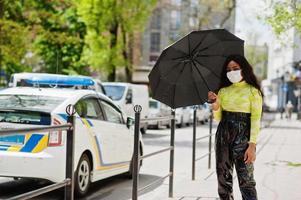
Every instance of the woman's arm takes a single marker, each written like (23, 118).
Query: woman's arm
(256, 111)
(216, 107)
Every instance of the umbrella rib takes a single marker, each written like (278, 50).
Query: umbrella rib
(179, 51)
(207, 68)
(201, 76)
(189, 45)
(197, 87)
(216, 44)
(173, 68)
(174, 93)
(199, 44)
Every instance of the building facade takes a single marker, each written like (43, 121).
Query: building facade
(281, 71)
(171, 20)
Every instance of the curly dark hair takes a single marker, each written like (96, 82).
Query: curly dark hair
(246, 69)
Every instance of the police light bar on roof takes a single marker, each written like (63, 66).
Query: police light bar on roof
(59, 80)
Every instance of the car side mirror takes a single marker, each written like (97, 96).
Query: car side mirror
(129, 122)
(128, 100)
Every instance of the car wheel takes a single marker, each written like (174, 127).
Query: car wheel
(82, 176)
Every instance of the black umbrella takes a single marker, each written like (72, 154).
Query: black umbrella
(192, 66)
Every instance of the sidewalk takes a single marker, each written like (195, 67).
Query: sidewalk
(277, 169)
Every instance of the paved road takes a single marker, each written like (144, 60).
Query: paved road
(119, 188)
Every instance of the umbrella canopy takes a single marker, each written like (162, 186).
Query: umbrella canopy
(192, 66)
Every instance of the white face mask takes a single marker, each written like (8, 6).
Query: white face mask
(234, 76)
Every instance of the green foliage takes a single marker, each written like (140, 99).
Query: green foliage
(13, 46)
(69, 36)
(109, 24)
(50, 29)
(258, 56)
(59, 41)
(285, 16)
(210, 10)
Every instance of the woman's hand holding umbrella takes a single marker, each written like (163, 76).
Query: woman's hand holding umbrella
(212, 98)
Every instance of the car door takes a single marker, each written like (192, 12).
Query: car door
(122, 135)
(99, 132)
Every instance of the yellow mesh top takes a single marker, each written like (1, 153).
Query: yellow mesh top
(241, 97)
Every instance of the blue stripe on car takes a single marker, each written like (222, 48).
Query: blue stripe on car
(31, 143)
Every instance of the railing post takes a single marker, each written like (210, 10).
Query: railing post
(136, 155)
(172, 151)
(210, 138)
(69, 189)
(194, 143)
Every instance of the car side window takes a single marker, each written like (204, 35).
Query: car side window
(89, 108)
(113, 115)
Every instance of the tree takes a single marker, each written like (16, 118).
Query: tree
(285, 15)
(215, 13)
(58, 35)
(111, 25)
(13, 40)
(48, 29)
(134, 14)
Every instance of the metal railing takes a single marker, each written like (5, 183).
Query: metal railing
(68, 183)
(137, 157)
(194, 140)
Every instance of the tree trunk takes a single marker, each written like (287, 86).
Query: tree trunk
(129, 69)
(1, 17)
(229, 13)
(127, 53)
(113, 43)
(112, 76)
(1, 9)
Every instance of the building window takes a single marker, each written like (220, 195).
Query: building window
(156, 20)
(194, 3)
(176, 2)
(155, 42)
(175, 20)
(173, 36)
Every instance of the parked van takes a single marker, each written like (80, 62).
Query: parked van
(202, 113)
(158, 109)
(127, 95)
(182, 116)
(45, 80)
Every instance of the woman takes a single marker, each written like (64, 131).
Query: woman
(238, 106)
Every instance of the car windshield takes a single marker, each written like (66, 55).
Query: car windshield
(29, 102)
(115, 92)
(153, 104)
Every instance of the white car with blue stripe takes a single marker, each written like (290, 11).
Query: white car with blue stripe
(104, 139)
(26, 79)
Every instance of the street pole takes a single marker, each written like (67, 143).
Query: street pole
(136, 154)
(172, 153)
(282, 97)
(299, 104)
(193, 143)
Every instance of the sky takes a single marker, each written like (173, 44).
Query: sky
(248, 26)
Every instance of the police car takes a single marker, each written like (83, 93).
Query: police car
(103, 137)
(27, 79)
